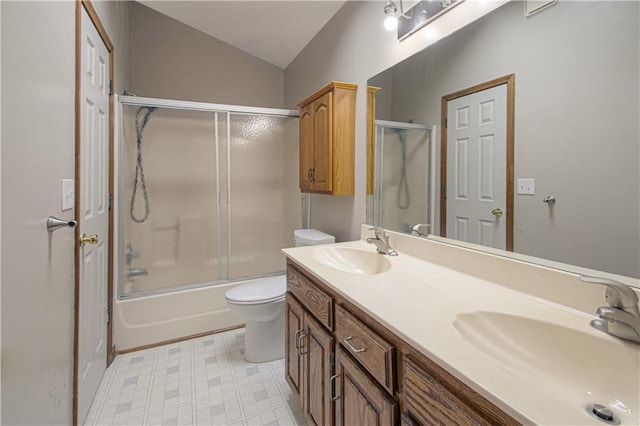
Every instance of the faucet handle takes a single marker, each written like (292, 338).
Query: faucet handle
(378, 232)
(618, 295)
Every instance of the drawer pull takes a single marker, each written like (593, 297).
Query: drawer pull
(357, 351)
(332, 385)
(301, 343)
(298, 339)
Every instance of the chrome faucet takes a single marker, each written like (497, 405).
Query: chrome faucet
(622, 317)
(130, 254)
(381, 241)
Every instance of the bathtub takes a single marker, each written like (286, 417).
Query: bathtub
(153, 319)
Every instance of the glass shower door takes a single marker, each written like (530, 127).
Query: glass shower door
(264, 206)
(169, 176)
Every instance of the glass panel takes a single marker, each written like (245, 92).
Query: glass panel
(265, 198)
(169, 199)
(402, 180)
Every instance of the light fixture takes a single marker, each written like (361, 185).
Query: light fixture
(420, 14)
(391, 21)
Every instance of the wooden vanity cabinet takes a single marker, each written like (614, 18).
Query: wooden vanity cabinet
(349, 370)
(360, 401)
(327, 140)
(308, 358)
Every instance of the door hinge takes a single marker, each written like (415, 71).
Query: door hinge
(109, 308)
(110, 202)
(111, 87)
(446, 122)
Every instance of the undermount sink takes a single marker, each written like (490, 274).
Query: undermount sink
(579, 367)
(354, 261)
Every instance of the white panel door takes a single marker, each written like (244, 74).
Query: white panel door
(477, 167)
(93, 215)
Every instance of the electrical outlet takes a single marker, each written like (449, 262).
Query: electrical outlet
(527, 186)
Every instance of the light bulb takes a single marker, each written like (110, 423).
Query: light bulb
(390, 23)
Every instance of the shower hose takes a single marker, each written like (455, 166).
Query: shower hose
(143, 113)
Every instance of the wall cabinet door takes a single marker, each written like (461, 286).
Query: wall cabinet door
(327, 140)
(294, 315)
(306, 147)
(322, 143)
(317, 350)
(360, 400)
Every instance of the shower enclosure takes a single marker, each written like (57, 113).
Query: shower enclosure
(404, 176)
(208, 194)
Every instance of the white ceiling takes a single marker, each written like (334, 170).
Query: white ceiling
(275, 31)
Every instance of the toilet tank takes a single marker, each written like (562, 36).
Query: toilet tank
(311, 237)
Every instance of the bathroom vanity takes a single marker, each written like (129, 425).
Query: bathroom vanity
(438, 335)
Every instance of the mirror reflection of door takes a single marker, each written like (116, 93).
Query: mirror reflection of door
(477, 164)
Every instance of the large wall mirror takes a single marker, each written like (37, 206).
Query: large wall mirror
(518, 133)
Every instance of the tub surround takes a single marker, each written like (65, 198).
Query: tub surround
(432, 286)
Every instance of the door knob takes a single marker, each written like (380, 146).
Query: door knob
(91, 239)
(496, 212)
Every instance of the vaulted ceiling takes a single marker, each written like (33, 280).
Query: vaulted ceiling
(275, 31)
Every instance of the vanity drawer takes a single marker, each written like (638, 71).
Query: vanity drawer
(429, 402)
(314, 300)
(372, 351)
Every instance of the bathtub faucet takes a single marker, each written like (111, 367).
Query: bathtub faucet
(136, 272)
(130, 254)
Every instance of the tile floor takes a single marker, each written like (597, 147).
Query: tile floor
(203, 381)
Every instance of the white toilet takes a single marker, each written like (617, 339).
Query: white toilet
(260, 304)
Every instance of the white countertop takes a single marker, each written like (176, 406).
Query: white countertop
(420, 301)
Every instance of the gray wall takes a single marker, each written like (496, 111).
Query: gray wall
(173, 61)
(353, 47)
(38, 148)
(576, 124)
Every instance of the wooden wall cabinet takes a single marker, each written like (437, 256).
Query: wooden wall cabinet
(327, 140)
(348, 369)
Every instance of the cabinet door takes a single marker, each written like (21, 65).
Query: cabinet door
(322, 114)
(360, 400)
(306, 147)
(317, 350)
(294, 327)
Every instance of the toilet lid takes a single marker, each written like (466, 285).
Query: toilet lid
(262, 290)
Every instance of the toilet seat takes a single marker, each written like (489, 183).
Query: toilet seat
(263, 291)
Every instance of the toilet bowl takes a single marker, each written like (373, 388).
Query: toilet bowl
(260, 304)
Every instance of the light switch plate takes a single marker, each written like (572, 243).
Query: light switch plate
(526, 186)
(68, 194)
